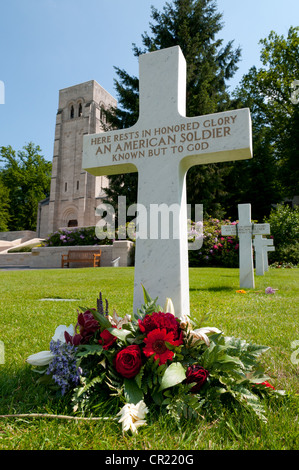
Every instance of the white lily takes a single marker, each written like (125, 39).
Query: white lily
(59, 333)
(118, 322)
(169, 307)
(185, 322)
(202, 334)
(133, 416)
(42, 358)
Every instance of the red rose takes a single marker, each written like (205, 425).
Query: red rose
(107, 339)
(128, 361)
(198, 375)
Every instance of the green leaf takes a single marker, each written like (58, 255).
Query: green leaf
(157, 397)
(87, 349)
(102, 319)
(149, 381)
(147, 297)
(138, 377)
(225, 358)
(241, 347)
(249, 400)
(120, 334)
(149, 306)
(90, 384)
(255, 378)
(173, 375)
(257, 349)
(132, 392)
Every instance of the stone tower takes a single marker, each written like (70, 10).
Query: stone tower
(74, 193)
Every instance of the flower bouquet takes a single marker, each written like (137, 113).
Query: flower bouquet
(152, 360)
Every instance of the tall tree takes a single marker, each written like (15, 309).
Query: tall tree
(194, 25)
(273, 173)
(4, 207)
(26, 175)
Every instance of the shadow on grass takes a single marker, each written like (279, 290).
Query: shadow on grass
(214, 289)
(21, 393)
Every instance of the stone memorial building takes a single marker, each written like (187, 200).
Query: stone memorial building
(74, 193)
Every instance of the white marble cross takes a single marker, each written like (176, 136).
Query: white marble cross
(261, 247)
(266, 249)
(245, 229)
(161, 147)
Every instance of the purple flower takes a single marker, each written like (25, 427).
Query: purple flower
(63, 367)
(270, 290)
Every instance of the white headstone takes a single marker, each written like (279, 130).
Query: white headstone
(261, 247)
(245, 229)
(266, 250)
(162, 146)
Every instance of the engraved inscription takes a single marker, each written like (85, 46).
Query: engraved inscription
(187, 137)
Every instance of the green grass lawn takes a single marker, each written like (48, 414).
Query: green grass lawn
(28, 323)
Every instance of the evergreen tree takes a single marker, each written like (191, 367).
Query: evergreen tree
(194, 25)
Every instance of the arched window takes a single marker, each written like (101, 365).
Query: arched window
(72, 223)
(80, 110)
(72, 112)
(102, 113)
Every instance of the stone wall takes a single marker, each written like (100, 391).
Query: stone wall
(22, 235)
(15, 259)
(50, 257)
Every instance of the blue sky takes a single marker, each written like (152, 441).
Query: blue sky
(47, 45)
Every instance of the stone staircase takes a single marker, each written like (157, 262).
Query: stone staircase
(18, 239)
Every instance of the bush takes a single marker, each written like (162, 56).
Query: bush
(284, 223)
(76, 237)
(288, 254)
(216, 250)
